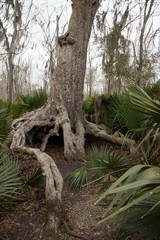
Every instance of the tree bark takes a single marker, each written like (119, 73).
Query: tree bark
(10, 78)
(146, 17)
(68, 78)
(63, 109)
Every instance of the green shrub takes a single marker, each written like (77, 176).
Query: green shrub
(89, 109)
(102, 110)
(154, 90)
(27, 103)
(135, 207)
(5, 119)
(106, 111)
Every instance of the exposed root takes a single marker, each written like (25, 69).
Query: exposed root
(52, 132)
(53, 190)
(73, 142)
(73, 233)
(54, 180)
(23, 132)
(94, 130)
(41, 115)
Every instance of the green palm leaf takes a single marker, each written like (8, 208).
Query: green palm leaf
(144, 104)
(9, 181)
(98, 162)
(135, 204)
(139, 184)
(138, 223)
(34, 178)
(131, 119)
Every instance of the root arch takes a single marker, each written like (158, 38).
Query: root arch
(74, 141)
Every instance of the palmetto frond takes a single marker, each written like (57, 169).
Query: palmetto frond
(34, 178)
(142, 220)
(131, 119)
(98, 162)
(133, 190)
(9, 181)
(144, 104)
(136, 200)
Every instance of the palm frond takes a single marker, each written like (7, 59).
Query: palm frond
(137, 184)
(78, 178)
(144, 104)
(98, 162)
(34, 178)
(149, 146)
(9, 181)
(142, 221)
(131, 119)
(135, 205)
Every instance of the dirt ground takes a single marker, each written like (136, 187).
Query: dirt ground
(28, 221)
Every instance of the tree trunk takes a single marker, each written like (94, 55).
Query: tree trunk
(68, 79)
(63, 109)
(10, 79)
(146, 17)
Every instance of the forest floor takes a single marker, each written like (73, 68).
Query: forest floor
(27, 222)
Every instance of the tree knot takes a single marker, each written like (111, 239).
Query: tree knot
(65, 39)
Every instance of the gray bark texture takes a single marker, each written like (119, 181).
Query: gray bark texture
(146, 16)
(63, 109)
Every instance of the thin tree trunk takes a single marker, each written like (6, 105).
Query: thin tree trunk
(141, 40)
(10, 79)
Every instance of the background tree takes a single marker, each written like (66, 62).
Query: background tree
(13, 35)
(143, 60)
(90, 76)
(49, 25)
(21, 75)
(3, 81)
(135, 26)
(115, 49)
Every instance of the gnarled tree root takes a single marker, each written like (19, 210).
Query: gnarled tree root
(96, 131)
(69, 232)
(53, 189)
(74, 141)
(53, 178)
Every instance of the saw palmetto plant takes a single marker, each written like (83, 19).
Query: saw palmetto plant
(9, 181)
(145, 105)
(135, 202)
(98, 163)
(9, 166)
(137, 199)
